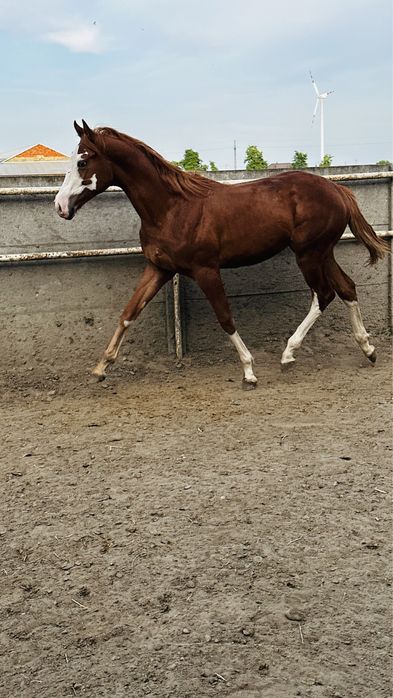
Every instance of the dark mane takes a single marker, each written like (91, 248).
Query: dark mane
(178, 181)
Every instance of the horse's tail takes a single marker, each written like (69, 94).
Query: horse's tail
(361, 229)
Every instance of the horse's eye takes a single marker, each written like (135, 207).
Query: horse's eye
(82, 163)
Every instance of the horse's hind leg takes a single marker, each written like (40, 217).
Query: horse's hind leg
(346, 290)
(295, 341)
(313, 269)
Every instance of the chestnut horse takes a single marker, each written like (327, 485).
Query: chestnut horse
(195, 226)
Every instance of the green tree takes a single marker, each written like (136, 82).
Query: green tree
(384, 162)
(326, 161)
(299, 160)
(254, 159)
(191, 160)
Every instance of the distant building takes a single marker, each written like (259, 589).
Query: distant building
(39, 159)
(280, 166)
(37, 153)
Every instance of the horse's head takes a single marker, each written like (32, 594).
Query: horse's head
(90, 174)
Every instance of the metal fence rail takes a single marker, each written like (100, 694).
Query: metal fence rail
(68, 254)
(32, 191)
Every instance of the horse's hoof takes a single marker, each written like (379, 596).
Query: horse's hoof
(287, 365)
(373, 357)
(99, 375)
(249, 385)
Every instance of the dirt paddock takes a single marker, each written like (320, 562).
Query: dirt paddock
(167, 534)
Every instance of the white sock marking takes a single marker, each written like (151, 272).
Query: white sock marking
(358, 327)
(296, 340)
(245, 357)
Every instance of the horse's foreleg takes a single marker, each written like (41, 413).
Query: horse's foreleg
(210, 282)
(151, 281)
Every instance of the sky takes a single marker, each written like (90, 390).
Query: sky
(200, 74)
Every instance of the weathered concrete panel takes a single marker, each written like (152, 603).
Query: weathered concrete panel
(63, 314)
(30, 223)
(373, 197)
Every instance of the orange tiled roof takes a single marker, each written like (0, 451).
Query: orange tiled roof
(38, 152)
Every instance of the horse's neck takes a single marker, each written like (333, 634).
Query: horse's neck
(142, 184)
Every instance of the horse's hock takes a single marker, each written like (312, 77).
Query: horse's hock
(61, 312)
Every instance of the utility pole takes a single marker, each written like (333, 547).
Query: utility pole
(234, 155)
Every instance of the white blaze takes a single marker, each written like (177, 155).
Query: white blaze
(73, 184)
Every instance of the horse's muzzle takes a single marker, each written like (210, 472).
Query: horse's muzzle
(66, 212)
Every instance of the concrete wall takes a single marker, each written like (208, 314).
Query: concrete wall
(63, 313)
(30, 223)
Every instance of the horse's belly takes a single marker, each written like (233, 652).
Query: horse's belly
(244, 249)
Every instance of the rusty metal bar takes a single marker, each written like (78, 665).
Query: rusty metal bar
(350, 177)
(379, 233)
(67, 254)
(358, 175)
(32, 191)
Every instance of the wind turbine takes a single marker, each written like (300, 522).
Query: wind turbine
(321, 96)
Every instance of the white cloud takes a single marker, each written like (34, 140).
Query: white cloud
(61, 22)
(78, 40)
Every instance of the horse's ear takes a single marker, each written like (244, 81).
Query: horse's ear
(88, 131)
(78, 129)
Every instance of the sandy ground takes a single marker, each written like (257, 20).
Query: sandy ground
(167, 534)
